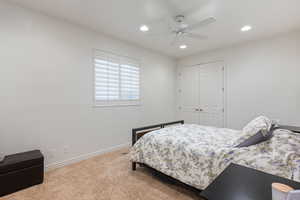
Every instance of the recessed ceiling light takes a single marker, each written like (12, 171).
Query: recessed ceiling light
(246, 28)
(183, 46)
(144, 28)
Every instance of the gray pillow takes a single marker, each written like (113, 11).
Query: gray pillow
(259, 137)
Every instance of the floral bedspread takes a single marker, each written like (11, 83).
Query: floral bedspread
(196, 155)
(279, 156)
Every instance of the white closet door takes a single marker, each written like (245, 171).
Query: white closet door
(189, 94)
(211, 94)
(201, 94)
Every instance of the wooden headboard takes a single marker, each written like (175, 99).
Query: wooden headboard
(137, 133)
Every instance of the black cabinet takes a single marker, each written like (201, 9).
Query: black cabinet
(242, 183)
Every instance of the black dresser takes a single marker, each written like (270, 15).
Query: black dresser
(241, 183)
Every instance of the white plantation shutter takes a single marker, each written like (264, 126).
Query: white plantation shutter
(129, 80)
(117, 80)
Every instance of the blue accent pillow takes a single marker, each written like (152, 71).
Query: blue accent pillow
(259, 137)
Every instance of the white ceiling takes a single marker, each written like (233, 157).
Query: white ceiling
(122, 18)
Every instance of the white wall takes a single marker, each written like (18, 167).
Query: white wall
(46, 88)
(262, 78)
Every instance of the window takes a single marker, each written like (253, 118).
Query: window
(117, 80)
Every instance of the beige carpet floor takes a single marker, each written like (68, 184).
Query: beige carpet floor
(105, 177)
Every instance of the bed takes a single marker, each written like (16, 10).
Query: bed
(195, 155)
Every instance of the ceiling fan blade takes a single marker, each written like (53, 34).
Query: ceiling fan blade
(159, 34)
(175, 40)
(196, 36)
(202, 23)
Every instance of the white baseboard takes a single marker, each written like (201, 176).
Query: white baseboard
(84, 157)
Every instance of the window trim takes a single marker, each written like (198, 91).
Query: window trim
(114, 103)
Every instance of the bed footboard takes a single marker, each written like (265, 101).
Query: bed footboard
(137, 133)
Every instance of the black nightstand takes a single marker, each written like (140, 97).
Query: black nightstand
(295, 129)
(242, 183)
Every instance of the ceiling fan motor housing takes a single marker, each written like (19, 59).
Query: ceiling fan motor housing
(179, 18)
(181, 24)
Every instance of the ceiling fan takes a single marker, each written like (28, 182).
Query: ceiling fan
(177, 24)
(181, 29)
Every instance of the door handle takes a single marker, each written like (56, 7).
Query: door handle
(198, 109)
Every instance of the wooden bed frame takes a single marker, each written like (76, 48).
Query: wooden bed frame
(137, 133)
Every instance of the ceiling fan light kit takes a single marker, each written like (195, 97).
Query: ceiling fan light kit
(183, 46)
(246, 28)
(144, 28)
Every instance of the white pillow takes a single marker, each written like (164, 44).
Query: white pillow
(260, 123)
